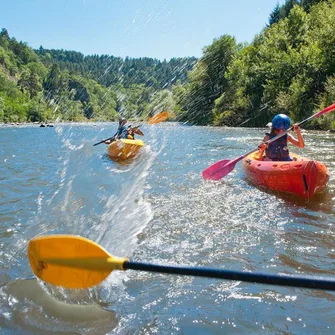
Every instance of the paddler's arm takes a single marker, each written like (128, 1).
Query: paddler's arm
(109, 141)
(262, 146)
(297, 142)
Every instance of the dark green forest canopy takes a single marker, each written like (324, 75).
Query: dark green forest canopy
(283, 11)
(288, 68)
(110, 70)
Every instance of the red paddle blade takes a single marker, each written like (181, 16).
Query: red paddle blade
(219, 169)
(325, 111)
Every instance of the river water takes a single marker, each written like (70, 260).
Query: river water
(158, 209)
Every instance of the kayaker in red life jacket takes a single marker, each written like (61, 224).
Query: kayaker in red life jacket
(278, 150)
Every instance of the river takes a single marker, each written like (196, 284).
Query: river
(158, 209)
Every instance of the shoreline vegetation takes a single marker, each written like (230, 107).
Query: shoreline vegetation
(288, 68)
(97, 123)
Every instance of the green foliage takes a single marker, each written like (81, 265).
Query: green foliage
(36, 112)
(8, 87)
(49, 84)
(2, 107)
(4, 58)
(30, 82)
(208, 81)
(133, 102)
(289, 67)
(327, 98)
(275, 15)
(286, 69)
(109, 70)
(179, 93)
(161, 101)
(31, 92)
(281, 12)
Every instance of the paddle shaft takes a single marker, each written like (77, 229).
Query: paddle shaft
(103, 141)
(261, 278)
(314, 116)
(115, 263)
(267, 142)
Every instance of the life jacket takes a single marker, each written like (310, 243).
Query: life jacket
(130, 133)
(121, 132)
(278, 150)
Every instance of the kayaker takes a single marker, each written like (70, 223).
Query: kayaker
(121, 131)
(278, 150)
(130, 133)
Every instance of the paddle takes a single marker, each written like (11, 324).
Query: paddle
(222, 168)
(137, 131)
(160, 117)
(107, 139)
(76, 262)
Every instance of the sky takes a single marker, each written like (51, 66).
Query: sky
(160, 29)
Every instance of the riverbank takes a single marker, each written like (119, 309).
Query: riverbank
(96, 123)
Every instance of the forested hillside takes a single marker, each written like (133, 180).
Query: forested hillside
(110, 70)
(288, 68)
(68, 86)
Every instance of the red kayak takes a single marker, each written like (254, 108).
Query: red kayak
(302, 176)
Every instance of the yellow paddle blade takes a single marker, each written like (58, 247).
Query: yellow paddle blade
(71, 261)
(159, 117)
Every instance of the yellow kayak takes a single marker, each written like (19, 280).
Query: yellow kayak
(124, 149)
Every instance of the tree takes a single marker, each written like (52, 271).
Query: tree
(307, 4)
(4, 34)
(275, 15)
(55, 81)
(30, 82)
(2, 106)
(161, 101)
(208, 81)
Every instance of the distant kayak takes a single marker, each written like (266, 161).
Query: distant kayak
(303, 177)
(124, 149)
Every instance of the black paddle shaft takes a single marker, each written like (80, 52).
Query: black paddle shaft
(320, 283)
(103, 141)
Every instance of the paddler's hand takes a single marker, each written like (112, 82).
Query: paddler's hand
(263, 146)
(296, 127)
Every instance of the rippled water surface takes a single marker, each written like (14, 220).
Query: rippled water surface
(158, 209)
